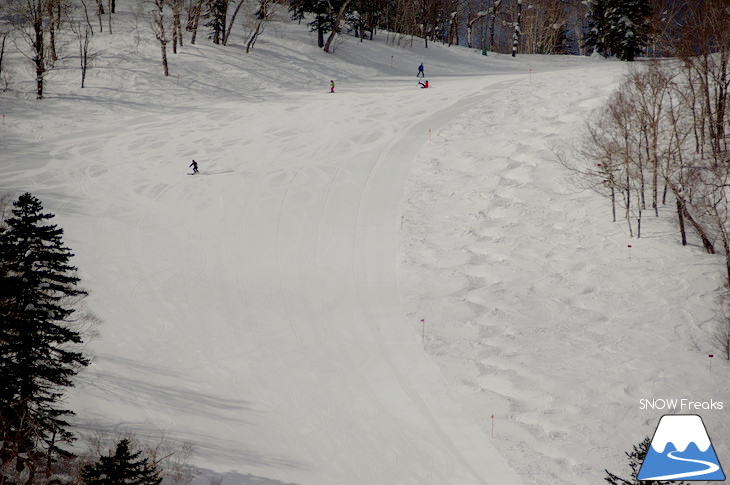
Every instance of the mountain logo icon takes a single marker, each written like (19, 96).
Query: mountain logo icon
(681, 450)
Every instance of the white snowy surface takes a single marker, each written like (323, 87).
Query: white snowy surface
(269, 309)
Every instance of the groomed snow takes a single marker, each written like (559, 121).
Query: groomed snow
(269, 309)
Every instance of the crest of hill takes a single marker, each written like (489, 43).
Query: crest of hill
(126, 68)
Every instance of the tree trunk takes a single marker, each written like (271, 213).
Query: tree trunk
(84, 53)
(320, 37)
(680, 218)
(2, 54)
(99, 13)
(613, 200)
(39, 54)
(516, 35)
(52, 32)
(254, 36)
(109, 18)
(159, 24)
(163, 48)
(195, 20)
(177, 8)
(709, 247)
(230, 23)
(336, 25)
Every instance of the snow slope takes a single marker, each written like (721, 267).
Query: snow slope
(268, 310)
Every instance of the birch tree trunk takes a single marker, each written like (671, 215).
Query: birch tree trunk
(109, 7)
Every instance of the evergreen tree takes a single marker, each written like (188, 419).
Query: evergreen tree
(121, 468)
(618, 27)
(326, 15)
(215, 14)
(636, 458)
(38, 346)
(322, 12)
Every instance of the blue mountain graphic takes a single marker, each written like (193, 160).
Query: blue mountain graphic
(671, 463)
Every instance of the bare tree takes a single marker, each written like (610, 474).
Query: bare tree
(544, 27)
(230, 23)
(700, 41)
(493, 12)
(99, 12)
(194, 12)
(84, 32)
(51, 26)
(471, 20)
(341, 13)
(261, 16)
(32, 27)
(593, 161)
(84, 55)
(626, 140)
(650, 88)
(159, 27)
(3, 73)
(576, 11)
(452, 35)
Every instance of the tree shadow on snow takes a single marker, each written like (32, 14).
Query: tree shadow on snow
(208, 477)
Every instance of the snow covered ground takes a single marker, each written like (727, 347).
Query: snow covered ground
(269, 309)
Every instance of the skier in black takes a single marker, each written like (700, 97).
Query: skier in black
(195, 166)
(420, 71)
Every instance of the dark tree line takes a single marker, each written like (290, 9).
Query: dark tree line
(621, 28)
(618, 27)
(39, 341)
(123, 467)
(42, 332)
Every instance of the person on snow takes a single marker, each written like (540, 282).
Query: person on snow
(420, 71)
(195, 166)
(423, 84)
(332, 86)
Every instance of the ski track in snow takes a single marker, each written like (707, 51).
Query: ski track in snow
(514, 256)
(285, 267)
(268, 310)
